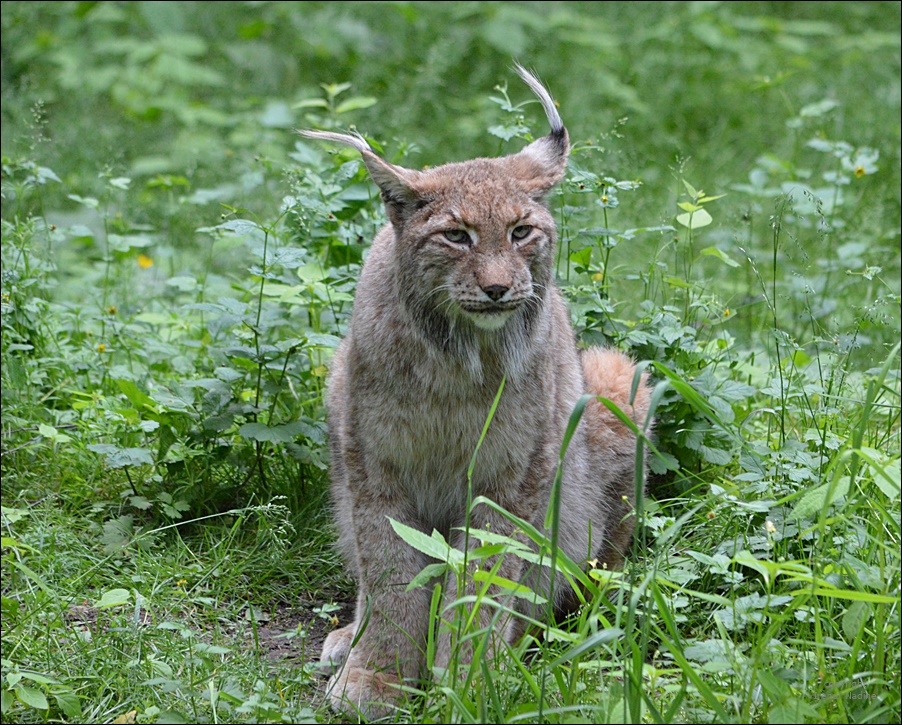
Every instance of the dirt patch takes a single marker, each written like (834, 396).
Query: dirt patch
(281, 633)
(288, 633)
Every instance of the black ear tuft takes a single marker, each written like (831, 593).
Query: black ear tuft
(551, 151)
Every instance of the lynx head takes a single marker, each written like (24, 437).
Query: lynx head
(474, 240)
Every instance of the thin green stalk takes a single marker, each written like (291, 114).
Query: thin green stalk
(462, 582)
(260, 366)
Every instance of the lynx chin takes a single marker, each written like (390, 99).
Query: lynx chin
(458, 293)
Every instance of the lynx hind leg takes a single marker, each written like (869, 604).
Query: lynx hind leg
(371, 694)
(609, 374)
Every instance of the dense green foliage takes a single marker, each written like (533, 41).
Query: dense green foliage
(178, 267)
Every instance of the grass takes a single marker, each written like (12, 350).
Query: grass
(178, 267)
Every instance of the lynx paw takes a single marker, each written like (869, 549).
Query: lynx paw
(337, 646)
(368, 692)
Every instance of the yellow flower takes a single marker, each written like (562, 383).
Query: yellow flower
(144, 261)
(101, 347)
(859, 172)
(112, 309)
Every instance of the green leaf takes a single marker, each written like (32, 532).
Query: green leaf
(582, 257)
(7, 541)
(70, 704)
(117, 533)
(426, 575)
(854, 618)
(511, 587)
(241, 227)
(587, 645)
(11, 515)
(32, 697)
(886, 473)
(6, 700)
(334, 89)
(113, 598)
(43, 174)
(355, 103)
(697, 220)
(677, 282)
(140, 502)
(9, 608)
(312, 103)
(312, 272)
(815, 110)
(722, 256)
(129, 457)
(818, 498)
(284, 433)
(34, 576)
(691, 189)
(434, 546)
(800, 358)
(320, 339)
(89, 201)
(506, 133)
(51, 433)
(770, 570)
(689, 206)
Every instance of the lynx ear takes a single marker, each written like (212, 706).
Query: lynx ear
(549, 152)
(397, 184)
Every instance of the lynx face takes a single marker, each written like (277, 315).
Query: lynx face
(477, 253)
(473, 239)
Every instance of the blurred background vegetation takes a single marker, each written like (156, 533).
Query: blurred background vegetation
(175, 86)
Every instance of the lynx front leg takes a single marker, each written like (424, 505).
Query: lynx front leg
(337, 646)
(391, 622)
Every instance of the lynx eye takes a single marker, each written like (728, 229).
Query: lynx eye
(457, 236)
(519, 233)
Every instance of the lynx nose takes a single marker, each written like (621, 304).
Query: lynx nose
(495, 291)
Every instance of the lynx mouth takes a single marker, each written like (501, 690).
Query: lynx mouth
(492, 317)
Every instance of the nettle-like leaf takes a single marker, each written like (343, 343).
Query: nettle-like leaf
(117, 533)
(173, 508)
(752, 608)
(113, 598)
(818, 498)
(283, 433)
(116, 457)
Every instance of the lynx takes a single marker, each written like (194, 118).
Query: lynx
(458, 293)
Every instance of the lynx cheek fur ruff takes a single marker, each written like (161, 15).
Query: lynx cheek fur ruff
(458, 292)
